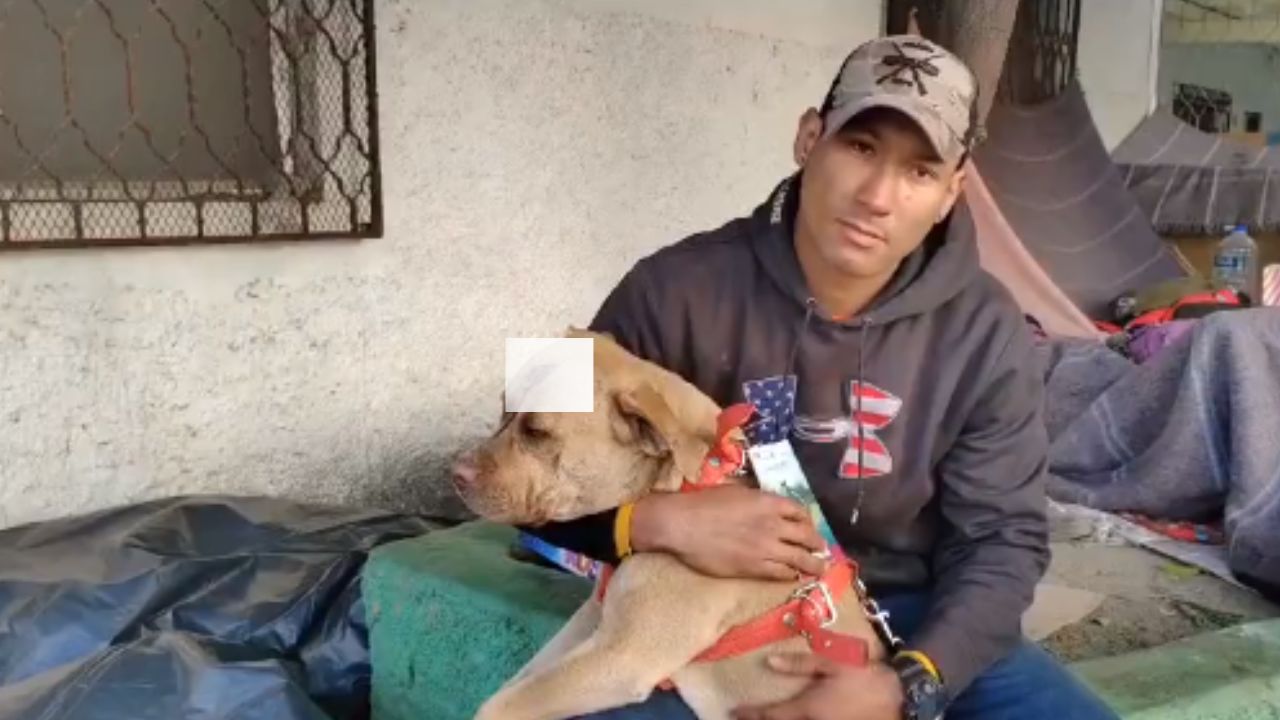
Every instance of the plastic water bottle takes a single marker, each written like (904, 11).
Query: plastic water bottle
(1236, 262)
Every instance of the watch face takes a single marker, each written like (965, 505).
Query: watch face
(924, 695)
(925, 699)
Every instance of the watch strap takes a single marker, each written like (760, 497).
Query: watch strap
(924, 697)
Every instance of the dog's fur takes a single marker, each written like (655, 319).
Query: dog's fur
(649, 430)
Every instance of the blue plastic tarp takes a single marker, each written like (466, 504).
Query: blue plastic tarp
(192, 607)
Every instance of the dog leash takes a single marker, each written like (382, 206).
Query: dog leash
(576, 563)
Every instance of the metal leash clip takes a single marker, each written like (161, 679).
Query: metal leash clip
(878, 618)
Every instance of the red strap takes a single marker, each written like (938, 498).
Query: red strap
(726, 456)
(803, 615)
(1154, 317)
(1163, 315)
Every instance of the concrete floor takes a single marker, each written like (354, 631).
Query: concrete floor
(1100, 600)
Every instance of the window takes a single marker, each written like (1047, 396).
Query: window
(1202, 107)
(185, 121)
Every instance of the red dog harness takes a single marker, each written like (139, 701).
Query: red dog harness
(810, 610)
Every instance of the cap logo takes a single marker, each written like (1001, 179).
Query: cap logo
(903, 64)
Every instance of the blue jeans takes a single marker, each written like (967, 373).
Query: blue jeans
(1027, 683)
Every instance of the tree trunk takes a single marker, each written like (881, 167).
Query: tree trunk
(978, 32)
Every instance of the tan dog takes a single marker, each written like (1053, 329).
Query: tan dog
(650, 429)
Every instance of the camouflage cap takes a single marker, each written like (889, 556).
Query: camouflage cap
(915, 76)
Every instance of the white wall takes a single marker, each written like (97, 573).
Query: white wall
(1118, 61)
(1247, 71)
(532, 150)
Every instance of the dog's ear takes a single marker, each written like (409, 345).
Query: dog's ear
(647, 418)
(573, 331)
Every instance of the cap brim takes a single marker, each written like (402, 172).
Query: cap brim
(934, 129)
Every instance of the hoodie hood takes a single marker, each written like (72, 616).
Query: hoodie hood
(931, 275)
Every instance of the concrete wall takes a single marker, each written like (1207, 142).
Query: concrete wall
(1243, 22)
(1119, 62)
(532, 149)
(1247, 71)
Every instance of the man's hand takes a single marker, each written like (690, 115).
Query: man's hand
(838, 692)
(730, 531)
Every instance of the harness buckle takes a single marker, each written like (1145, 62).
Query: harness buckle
(742, 445)
(829, 614)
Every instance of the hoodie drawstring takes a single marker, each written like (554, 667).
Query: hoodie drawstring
(863, 323)
(809, 306)
(857, 423)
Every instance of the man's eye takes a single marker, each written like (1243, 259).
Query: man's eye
(923, 172)
(861, 147)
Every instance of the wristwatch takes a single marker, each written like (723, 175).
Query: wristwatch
(924, 696)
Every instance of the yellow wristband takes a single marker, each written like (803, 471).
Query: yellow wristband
(923, 660)
(622, 530)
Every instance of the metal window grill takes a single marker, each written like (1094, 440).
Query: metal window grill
(150, 122)
(1203, 108)
(1041, 60)
(1217, 61)
(1042, 51)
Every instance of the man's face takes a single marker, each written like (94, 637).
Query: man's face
(871, 191)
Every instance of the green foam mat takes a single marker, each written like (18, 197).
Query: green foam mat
(1230, 674)
(452, 616)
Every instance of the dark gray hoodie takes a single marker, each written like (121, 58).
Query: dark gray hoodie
(953, 450)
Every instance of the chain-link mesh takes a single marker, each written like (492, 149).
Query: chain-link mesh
(1041, 60)
(1219, 60)
(180, 121)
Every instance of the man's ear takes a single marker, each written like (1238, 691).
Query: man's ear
(808, 132)
(646, 418)
(954, 186)
(913, 23)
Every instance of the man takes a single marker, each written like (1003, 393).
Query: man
(905, 379)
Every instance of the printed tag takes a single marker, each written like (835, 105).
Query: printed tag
(778, 470)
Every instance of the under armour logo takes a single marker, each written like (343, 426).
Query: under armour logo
(866, 455)
(903, 64)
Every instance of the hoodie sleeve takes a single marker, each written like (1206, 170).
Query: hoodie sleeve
(628, 315)
(993, 544)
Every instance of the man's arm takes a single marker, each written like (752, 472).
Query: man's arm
(993, 543)
(733, 531)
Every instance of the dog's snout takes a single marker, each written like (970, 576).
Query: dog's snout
(464, 471)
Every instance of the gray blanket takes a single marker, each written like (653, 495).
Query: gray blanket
(1192, 434)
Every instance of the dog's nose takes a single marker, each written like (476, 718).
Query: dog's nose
(464, 471)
